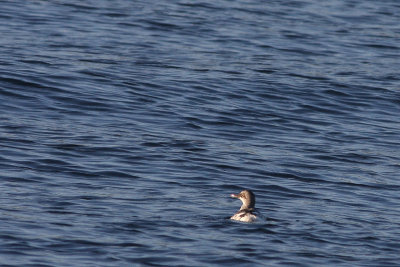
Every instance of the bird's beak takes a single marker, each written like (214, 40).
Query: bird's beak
(234, 196)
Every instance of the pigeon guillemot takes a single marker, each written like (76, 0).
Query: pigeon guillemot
(246, 211)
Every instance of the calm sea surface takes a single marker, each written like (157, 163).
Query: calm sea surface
(125, 126)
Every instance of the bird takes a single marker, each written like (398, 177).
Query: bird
(246, 212)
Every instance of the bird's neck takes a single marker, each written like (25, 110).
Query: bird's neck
(245, 207)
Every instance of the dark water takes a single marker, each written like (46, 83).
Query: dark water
(125, 126)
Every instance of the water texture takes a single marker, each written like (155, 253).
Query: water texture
(125, 126)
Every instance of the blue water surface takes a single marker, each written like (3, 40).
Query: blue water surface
(125, 126)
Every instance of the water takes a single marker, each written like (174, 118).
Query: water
(125, 126)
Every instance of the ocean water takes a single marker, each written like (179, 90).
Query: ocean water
(125, 126)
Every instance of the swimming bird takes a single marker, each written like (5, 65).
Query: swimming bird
(246, 211)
